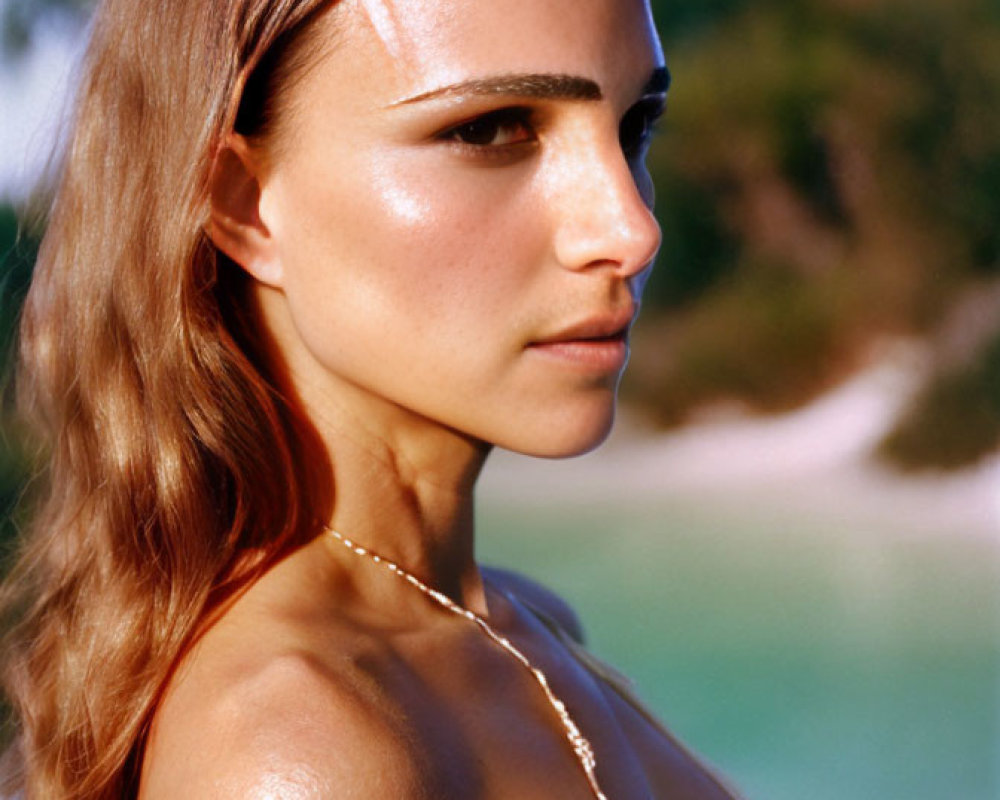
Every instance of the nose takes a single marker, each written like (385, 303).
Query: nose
(605, 220)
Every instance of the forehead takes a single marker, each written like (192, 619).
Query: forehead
(417, 45)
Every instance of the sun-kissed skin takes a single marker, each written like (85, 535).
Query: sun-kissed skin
(426, 298)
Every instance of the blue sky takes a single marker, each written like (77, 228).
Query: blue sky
(33, 99)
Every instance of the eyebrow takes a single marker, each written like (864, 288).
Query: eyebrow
(540, 85)
(536, 85)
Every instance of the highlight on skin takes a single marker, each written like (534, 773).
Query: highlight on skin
(383, 19)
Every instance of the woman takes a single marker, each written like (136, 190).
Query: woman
(307, 263)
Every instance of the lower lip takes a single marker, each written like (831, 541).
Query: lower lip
(599, 354)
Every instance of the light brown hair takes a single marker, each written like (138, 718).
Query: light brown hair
(172, 479)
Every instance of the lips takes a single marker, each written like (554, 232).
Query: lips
(598, 342)
(604, 327)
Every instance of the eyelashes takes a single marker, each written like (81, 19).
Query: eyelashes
(509, 132)
(500, 132)
(638, 126)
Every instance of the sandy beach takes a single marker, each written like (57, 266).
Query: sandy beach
(815, 463)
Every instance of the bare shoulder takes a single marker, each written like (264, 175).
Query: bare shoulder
(282, 725)
(539, 597)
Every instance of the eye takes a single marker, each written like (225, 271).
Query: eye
(637, 127)
(503, 128)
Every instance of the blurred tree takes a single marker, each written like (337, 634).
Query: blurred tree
(955, 420)
(828, 175)
(17, 256)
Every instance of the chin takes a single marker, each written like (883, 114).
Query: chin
(563, 435)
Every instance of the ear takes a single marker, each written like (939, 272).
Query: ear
(235, 225)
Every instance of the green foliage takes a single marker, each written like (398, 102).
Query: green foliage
(728, 347)
(857, 144)
(701, 250)
(955, 421)
(17, 256)
(678, 21)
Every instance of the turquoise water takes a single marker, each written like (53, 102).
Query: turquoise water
(805, 663)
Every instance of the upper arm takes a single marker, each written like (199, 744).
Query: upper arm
(287, 732)
(540, 598)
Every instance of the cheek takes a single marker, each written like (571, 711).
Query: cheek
(413, 237)
(423, 285)
(473, 230)
(434, 256)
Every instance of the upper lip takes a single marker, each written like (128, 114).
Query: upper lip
(604, 325)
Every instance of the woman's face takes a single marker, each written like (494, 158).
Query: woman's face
(458, 212)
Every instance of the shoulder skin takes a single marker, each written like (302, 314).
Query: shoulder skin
(288, 730)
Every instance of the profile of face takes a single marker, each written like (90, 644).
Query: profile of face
(453, 221)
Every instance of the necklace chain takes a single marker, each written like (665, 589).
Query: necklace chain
(581, 746)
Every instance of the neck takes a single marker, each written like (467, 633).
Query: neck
(401, 486)
(394, 481)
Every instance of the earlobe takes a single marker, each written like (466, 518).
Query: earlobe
(235, 225)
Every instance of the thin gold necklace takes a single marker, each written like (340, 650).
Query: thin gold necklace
(583, 749)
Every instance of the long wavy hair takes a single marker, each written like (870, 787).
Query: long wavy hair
(172, 477)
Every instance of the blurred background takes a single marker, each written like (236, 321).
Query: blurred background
(792, 540)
